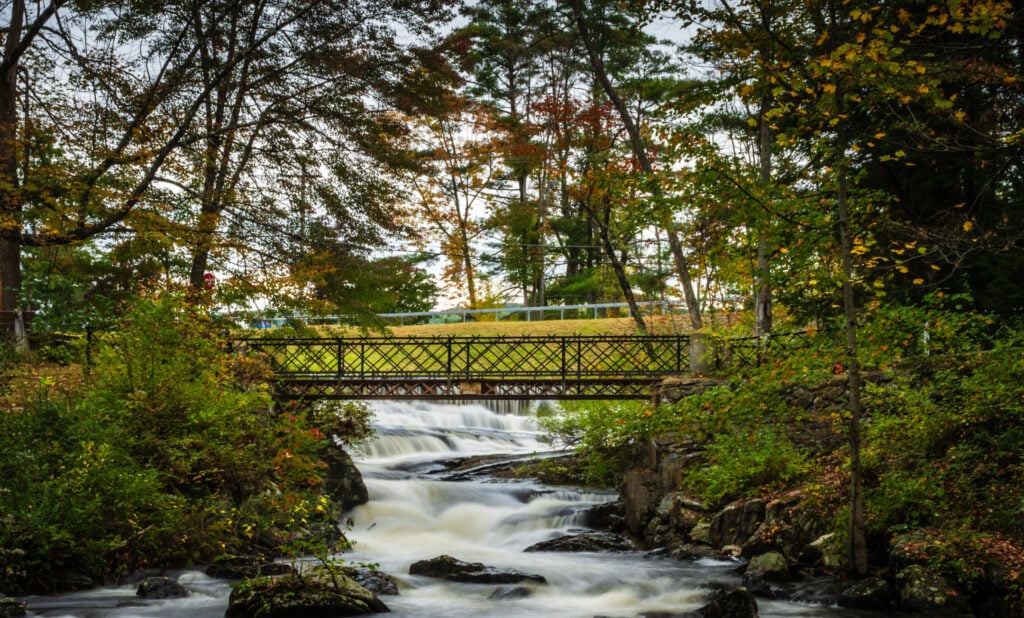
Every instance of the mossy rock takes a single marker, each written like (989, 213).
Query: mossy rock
(924, 591)
(11, 607)
(316, 593)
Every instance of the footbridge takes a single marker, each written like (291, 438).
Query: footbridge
(530, 367)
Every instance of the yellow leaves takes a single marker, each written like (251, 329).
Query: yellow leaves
(968, 226)
(960, 115)
(859, 248)
(903, 15)
(861, 16)
(880, 134)
(1015, 138)
(829, 88)
(918, 281)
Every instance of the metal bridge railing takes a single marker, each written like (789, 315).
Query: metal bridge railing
(474, 358)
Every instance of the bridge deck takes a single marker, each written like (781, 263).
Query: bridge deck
(578, 367)
(550, 367)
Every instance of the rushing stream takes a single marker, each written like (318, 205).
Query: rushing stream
(416, 511)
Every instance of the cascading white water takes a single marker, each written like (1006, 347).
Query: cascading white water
(415, 512)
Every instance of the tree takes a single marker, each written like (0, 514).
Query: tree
(585, 23)
(458, 168)
(842, 78)
(111, 112)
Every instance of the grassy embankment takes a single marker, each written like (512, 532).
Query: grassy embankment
(657, 325)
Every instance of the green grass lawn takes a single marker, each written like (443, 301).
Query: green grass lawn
(603, 326)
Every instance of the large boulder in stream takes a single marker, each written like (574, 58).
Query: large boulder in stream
(588, 541)
(739, 603)
(319, 592)
(343, 481)
(374, 581)
(736, 604)
(453, 569)
(161, 588)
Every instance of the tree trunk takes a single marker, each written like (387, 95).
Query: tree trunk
(467, 261)
(857, 536)
(620, 274)
(597, 64)
(10, 199)
(762, 287)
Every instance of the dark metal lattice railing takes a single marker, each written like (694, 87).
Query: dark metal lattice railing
(570, 367)
(471, 358)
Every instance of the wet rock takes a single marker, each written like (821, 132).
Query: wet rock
(782, 529)
(317, 592)
(343, 482)
(921, 590)
(696, 551)
(873, 594)
(609, 516)
(453, 569)
(375, 581)
(685, 512)
(11, 607)
(701, 533)
(816, 590)
(504, 593)
(764, 571)
(771, 566)
(736, 604)
(161, 588)
(736, 523)
(589, 541)
(241, 567)
(739, 603)
(824, 552)
(641, 492)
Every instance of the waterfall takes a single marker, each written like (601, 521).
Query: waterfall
(416, 512)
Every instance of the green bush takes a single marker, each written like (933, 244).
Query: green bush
(949, 448)
(600, 432)
(745, 464)
(171, 453)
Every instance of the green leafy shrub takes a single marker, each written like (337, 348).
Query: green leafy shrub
(744, 464)
(171, 453)
(601, 432)
(953, 441)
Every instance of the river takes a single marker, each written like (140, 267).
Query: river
(417, 511)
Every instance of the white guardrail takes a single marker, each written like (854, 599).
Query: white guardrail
(660, 307)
